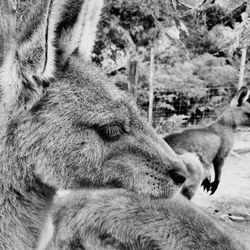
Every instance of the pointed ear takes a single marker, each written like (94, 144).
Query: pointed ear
(54, 15)
(71, 27)
(54, 30)
(85, 28)
(18, 88)
(241, 96)
(77, 31)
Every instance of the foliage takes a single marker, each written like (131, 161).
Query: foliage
(187, 74)
(173, 123)
(194, 76)
(209, 85)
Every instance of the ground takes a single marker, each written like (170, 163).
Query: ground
(231, 202)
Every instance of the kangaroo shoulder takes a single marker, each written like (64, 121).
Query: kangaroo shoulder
(196, 136)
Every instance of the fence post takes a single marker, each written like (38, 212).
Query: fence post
(133, 78)
(151, 87)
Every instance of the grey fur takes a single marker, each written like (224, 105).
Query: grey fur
(211, 144)
(71, 128)
(68, 128)
(120, 220)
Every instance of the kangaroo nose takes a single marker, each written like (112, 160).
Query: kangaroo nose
(178, 176)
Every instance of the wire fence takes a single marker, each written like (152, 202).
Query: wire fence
(173, 109)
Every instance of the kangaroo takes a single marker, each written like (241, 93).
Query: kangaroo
(111, 219)
(64, 125)
(197, 171)
(211, 144)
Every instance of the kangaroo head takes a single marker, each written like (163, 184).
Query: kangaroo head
(62, 121)
(240, 107)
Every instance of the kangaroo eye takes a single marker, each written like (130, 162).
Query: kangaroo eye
(111, 131)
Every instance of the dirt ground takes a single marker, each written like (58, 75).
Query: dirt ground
(231, 202)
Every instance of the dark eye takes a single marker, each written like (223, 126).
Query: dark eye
(111, 131)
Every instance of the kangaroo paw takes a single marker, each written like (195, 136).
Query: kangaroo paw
(213, 187)
(206, 185)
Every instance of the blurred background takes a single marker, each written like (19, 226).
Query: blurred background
(183, 61)
(179, 59)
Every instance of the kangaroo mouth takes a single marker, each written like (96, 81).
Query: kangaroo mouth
(158, 184)
(115, 183)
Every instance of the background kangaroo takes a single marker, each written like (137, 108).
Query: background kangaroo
(64, 125)
(211, 144)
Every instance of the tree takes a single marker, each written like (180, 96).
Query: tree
(245, 40)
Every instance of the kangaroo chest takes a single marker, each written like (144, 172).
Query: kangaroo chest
(227, 141)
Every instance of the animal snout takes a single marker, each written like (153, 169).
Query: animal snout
(178, 176)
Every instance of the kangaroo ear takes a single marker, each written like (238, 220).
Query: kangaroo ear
(53, 31)
(70, 28)
(241, 96)
(17, 87)
(77, 31)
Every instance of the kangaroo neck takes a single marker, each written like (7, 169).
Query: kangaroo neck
(225, 122)
(22, 215)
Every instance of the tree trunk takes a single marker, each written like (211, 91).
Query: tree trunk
(151, 87)
(244, 51)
